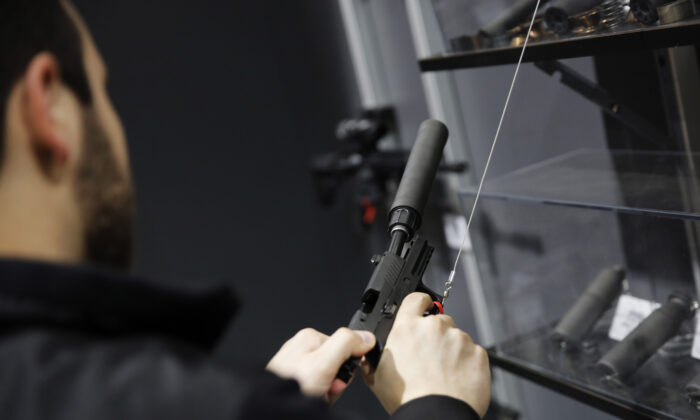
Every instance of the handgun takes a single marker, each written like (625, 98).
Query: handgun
(399, 271)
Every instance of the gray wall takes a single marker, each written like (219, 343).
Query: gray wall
(224, 103)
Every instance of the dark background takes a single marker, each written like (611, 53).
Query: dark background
(224, 103)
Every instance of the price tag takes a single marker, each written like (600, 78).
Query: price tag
(455, 231)
(630, 312)
(695, 352)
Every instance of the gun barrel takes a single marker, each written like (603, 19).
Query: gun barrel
(420, 172)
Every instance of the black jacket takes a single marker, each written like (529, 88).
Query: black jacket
(80, 343)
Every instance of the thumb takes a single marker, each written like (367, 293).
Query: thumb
(342, 345)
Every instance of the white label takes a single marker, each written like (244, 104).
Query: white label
(630, 312)
(455, 231)
(695, 352)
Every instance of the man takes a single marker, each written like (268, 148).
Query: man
(87, 343)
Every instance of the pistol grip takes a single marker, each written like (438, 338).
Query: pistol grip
(347, 369)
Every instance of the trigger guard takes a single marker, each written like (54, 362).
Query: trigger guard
(423, 289)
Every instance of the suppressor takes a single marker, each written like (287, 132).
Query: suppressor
(597, 297)
(558, 14)
(629, 354)
(645, 10)
(418, 177)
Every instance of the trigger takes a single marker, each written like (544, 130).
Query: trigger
(436, 309)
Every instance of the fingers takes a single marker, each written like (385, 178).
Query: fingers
(335, 391)
(343, 344)
(461, 340)
(337, 387)
(367, 372)
(413, 305)
(447, 320)
(306, 340)
(481, 355)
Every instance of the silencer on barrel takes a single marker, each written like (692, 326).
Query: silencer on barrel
(419, 174)
(597, 297)
(645, 10)
(558, 14)
(520, 12)
(629, 354)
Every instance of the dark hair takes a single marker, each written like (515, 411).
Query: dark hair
(28, 27)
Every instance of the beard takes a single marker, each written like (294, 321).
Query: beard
(105, 199)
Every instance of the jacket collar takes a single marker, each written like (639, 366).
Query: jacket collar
(108, 303)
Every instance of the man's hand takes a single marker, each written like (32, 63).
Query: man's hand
(313, 359)
(429, 356)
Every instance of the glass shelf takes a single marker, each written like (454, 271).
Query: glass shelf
(491, 32)
(655, 391)
(649, 183)
(554, 48)
(539, 245)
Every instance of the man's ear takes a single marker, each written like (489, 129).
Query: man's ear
(43, 97)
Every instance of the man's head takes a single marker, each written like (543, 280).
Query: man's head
(65, 188)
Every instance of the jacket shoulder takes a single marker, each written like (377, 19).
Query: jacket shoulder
(44, 374)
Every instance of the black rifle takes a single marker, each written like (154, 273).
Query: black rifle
(400, 269)
(360, 160)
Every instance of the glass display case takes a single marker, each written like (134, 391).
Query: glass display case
(560, 268)
(588, 259)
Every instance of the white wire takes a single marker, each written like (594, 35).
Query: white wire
(448, 285)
